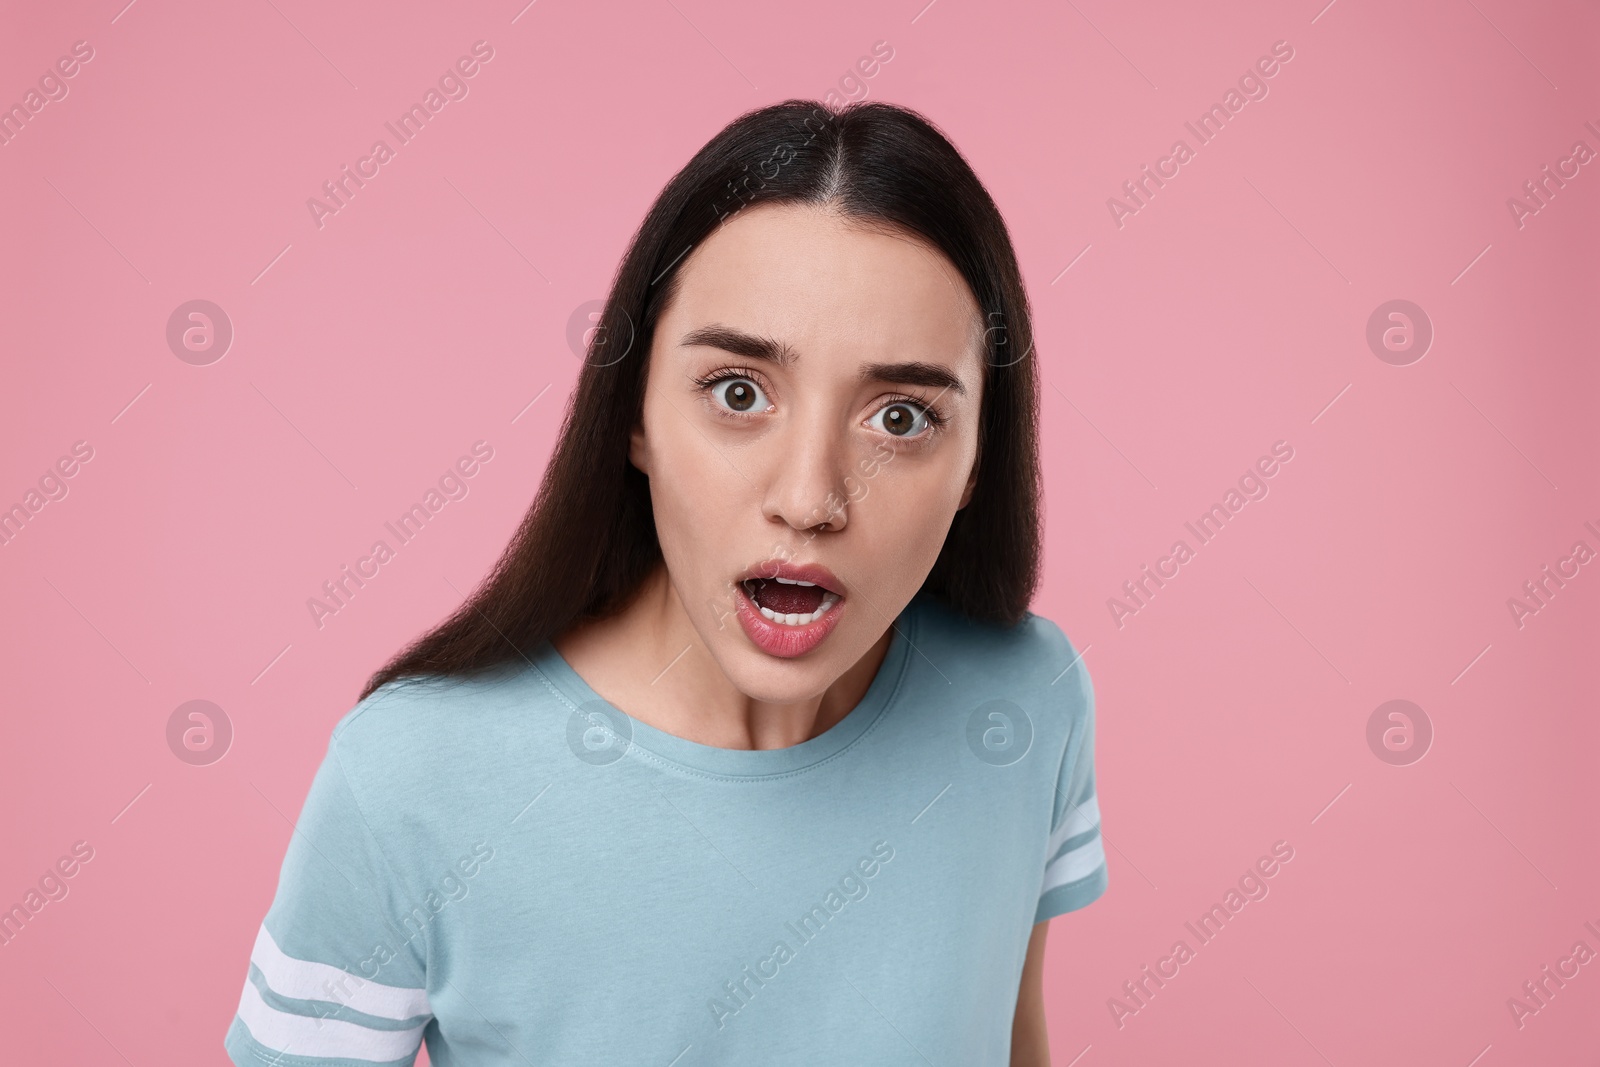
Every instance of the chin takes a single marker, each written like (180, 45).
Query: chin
(779, 680)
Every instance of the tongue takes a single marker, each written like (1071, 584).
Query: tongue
(788, 599)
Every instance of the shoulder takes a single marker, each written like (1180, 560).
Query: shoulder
(410, 737)
(1032, 670)
(1035, 652)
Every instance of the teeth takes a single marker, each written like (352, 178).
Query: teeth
(828, 601)
(794, 581)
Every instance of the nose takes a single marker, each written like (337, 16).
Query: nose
(806, 487)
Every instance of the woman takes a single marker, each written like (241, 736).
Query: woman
(749, 750)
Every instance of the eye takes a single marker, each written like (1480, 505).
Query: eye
(903, 419)
(740, 394)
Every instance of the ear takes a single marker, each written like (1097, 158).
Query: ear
(972, 482)
(639, 448)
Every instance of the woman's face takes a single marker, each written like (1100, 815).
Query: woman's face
(811, 415)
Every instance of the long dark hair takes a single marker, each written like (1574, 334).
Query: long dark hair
(589, 538)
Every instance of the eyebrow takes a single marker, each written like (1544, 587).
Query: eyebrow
(751, 346)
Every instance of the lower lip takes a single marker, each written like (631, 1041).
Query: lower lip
(776, 639)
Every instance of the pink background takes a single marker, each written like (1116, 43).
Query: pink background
(1228, 314)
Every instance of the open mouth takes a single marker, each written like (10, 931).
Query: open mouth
(790, 601)
(788, 609)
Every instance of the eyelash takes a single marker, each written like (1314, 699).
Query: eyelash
(935, 420)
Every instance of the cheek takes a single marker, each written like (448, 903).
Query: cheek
(904, 516)
(694, 491)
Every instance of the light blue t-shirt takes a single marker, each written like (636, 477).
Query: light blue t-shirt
(515, 872)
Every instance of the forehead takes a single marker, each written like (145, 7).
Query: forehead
(823, 283)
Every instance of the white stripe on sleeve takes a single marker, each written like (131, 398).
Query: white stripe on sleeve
(309, 980)
(302, 1035)
(1079, 819)
(1082, 860)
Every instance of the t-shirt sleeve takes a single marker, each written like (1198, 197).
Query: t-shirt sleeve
(337, 972)
(1075, 863)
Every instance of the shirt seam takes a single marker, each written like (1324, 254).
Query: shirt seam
(1075, 740)
(383, 858)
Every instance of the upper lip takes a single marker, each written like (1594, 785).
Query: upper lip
(815, 573)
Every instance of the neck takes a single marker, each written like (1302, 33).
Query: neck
(649, 661)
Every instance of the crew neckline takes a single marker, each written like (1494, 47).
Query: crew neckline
(659, 746)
